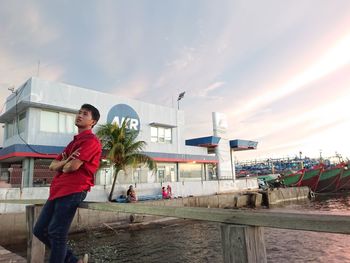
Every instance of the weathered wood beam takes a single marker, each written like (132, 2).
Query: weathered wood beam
(35, 249)
(311, 222)
(243, 244)
(23, 201)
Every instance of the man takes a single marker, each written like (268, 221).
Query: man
(75, 175)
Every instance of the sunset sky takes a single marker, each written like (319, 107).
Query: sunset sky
(279, 70)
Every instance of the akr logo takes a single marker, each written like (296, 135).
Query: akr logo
(120, 112)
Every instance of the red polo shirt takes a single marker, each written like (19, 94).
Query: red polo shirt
(82, 179)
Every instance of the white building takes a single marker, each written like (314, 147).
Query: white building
(39, 122)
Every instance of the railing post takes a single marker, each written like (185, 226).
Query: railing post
(35, 248)
(243, 244)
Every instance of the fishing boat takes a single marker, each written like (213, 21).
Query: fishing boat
(329, 179)
(344, 181)
(321, 179)
(293, 179)
(311, 177)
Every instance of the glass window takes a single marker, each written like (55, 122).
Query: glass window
(70, 124)
(154, 134)
(9, 130)
(161, 134)
(168, 135)
(57, 122)
(212, 172)
(191, 171)
(49, 121)
(21, 122)
(62, 123)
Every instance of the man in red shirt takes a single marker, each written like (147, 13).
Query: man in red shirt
(75, 175)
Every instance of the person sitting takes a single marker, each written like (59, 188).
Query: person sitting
(131, 195)
(168, 191)
(164, 193)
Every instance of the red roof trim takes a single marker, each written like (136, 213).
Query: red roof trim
(159, 159)
(27, 154)
(52, 156)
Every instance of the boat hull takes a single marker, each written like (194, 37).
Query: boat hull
(293, 179)
(311, 178)
(329, 180)
(344, 181)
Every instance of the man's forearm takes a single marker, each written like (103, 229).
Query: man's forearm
(67, 167)
(57, 165)
(72, 166)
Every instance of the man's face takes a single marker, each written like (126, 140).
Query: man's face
(84, 119)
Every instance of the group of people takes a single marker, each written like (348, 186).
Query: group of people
(166, 193)
(132, 197)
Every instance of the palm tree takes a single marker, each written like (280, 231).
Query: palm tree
(123, 149)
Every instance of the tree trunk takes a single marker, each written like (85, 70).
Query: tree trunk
(113, 185)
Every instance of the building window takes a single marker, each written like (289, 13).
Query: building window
(161, 134)
(166, 172)
(9, 129)
(21, 122)
(191, 171)
(49, 121)
(58, 122)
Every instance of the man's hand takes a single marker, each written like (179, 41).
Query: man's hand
(72, 163)
(59, 165)
(73, 155)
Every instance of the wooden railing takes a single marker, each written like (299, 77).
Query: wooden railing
(241, 231)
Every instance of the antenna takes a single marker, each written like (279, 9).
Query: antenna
(38, 69)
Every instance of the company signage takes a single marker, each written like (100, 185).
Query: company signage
(118, 113)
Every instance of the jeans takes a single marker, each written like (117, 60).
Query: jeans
(53, 225)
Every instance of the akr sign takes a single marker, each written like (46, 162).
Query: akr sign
(120, 112)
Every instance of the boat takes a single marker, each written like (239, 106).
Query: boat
(311, 177)
(293, 179)
(321, 179)
(344, 181)
(329, 179)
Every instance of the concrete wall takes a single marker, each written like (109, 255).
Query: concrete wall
(13, 227)
(289, 194)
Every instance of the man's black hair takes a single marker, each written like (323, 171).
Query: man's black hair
(94, 112)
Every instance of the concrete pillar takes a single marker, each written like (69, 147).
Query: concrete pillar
(222, 151)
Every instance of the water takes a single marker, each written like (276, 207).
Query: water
(194, 241)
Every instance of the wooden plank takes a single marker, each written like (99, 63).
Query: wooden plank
(23, 201)
(311, 222)
(35, 248)
(243, 244)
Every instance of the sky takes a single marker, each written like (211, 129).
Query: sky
(279, 70)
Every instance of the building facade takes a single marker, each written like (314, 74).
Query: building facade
(39, 122)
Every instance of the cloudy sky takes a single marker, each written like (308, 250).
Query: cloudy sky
(279, 70)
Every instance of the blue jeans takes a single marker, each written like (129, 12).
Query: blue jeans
(53, 225)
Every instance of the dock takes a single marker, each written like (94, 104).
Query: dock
(7, 256)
